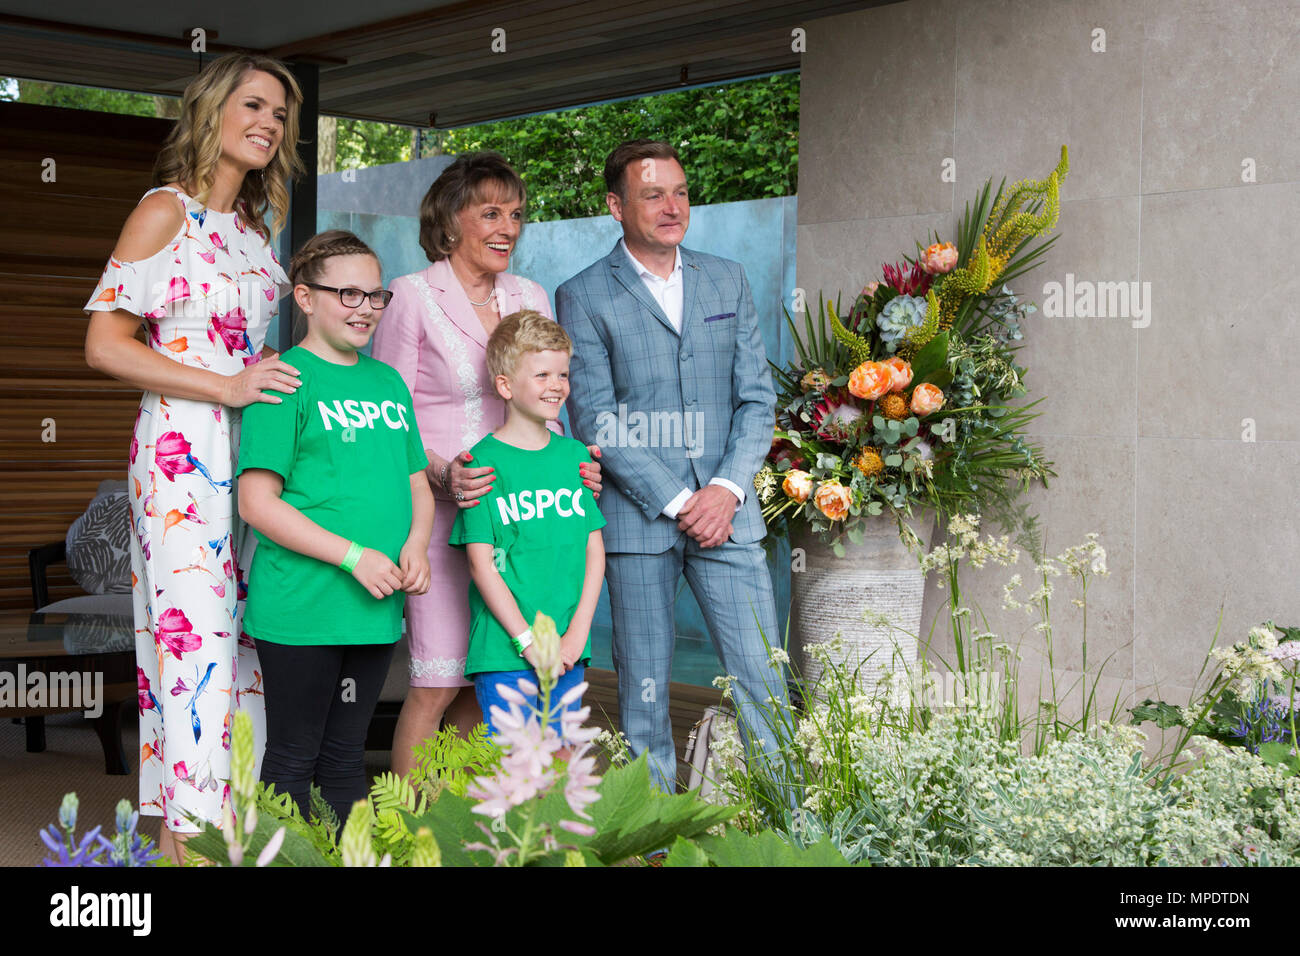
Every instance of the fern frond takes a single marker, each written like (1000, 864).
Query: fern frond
(446, 760)
(388, 794)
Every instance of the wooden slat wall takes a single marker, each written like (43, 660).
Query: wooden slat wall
(54, 240)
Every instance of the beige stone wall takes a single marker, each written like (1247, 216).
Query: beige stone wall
(1145, 425)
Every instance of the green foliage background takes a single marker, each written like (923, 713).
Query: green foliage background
(739, 140)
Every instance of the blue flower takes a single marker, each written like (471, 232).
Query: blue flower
(128, 848)
(86, 853)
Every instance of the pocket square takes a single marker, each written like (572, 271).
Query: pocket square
(720, 316)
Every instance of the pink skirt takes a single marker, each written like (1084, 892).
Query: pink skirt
(437, 622)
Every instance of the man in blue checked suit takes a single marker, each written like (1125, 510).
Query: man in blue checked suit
(670, 378)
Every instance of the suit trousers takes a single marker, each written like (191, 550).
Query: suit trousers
(734, 590)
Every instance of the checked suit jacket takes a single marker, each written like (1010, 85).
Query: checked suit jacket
(706, 394)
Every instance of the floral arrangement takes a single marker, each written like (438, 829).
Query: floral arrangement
(905, 400)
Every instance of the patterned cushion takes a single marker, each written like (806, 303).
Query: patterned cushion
(99, 555)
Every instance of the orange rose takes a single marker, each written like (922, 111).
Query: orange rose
(798, 485)
(870, 380)
(926, 399)
(901, 372)
(833, 500)
(939, 258)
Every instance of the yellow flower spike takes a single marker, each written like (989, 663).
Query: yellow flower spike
(1004, 231)
(915, 338)
(859, 348)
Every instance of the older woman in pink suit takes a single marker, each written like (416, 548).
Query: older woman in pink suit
(435, 334)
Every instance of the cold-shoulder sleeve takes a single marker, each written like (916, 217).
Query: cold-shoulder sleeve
(144, 287)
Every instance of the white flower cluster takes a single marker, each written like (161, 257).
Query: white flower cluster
(1251, 661)
(955, 792)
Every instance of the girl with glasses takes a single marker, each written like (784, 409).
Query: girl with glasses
(332, 479)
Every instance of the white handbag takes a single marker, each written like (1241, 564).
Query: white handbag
(699, 745)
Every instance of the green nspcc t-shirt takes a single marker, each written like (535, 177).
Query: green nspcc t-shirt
(346, 444)
(539, 514)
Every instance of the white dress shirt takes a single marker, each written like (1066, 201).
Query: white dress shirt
(669, 294)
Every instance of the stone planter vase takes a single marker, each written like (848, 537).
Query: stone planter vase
(871, 597)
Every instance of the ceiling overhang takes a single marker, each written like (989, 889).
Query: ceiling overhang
(422, 63)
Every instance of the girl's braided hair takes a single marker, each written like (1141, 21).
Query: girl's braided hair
(308, 263)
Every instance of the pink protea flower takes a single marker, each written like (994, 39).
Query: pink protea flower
(835, 415)
(173, 630)
(906, 280)
(172, 455)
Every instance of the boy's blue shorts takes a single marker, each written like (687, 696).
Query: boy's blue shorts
(485, 688)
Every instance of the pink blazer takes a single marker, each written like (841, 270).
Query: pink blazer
(430, 334)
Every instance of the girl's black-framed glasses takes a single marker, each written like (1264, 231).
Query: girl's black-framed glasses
(351, 298)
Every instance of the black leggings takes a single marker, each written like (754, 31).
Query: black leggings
(319, 701)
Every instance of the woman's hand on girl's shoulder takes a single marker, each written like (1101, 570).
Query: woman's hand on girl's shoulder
(245, 388)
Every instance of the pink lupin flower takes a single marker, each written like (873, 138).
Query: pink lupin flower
(172, 454)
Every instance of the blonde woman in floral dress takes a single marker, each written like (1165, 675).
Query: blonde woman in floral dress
(194, 263)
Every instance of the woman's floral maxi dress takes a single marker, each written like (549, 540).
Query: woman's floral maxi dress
(207, 299)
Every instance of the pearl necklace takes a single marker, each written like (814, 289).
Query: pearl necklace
(485, 301)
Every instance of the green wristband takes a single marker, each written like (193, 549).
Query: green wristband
(352, 557)
(522, 642)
